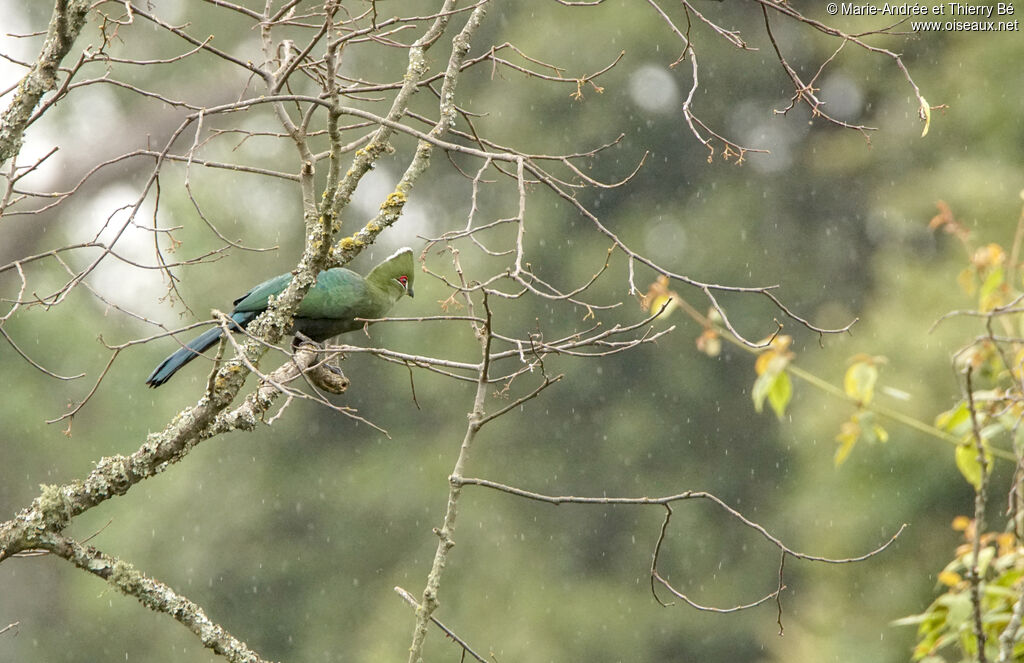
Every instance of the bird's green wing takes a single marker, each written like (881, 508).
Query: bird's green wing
(338, 293)
(256, 299)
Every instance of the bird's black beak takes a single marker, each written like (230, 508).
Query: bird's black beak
(408, 290)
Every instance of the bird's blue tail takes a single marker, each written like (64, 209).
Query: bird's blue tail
(168, 367)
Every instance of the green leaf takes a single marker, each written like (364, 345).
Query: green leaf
(780, 394)
(967, 463)
(998, 592)
(1007, 579)
(956, 420)
(776, 388)
(959, 606)
(987, 292)
(762, 384)
(985, 557)
(1018, 440)
(993, 429)
(910, 620)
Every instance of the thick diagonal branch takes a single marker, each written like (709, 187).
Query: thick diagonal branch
(153, 594)
(65, 24)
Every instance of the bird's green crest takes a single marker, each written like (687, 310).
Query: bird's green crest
(397, 271)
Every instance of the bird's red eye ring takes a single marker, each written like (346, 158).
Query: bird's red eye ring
(404, 280)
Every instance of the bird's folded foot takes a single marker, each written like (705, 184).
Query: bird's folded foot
(329, 377)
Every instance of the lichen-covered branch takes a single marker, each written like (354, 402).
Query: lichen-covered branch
(151, 593)
(378, 144)
(65, 24)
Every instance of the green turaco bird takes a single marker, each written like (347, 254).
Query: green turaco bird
(329, 308)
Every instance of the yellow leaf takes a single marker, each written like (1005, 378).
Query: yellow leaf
(845, 447)
(849, 431)
(1018, 363)
(859, 381)
(777, 362)
(988, 256)
(664, 305)
(776, 357)
(949, 578)
(966, 281)
(659, 295)
(781, 343)
(1007, 542)
(961, 523)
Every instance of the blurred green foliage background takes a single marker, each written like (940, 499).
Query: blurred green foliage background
(293, 537)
